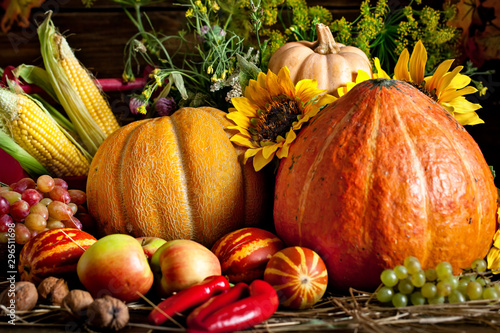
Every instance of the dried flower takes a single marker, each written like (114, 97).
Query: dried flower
(165, 106)
(136, 105)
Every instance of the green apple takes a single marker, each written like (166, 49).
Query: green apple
(150, 245)
(181, 263)
(115, 265)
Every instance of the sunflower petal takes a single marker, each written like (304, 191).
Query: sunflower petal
(270, 150)
(381, 74)
(446, 80)
(290, 137)
(460, 81)
(325, 99)
(243, 131)
(418, 60)
(470, 118)
(244, 106)
(250, 153)
(362, 76)
(242, 141)
(272, 83)
(449, 95)
(261, 79)
(401, 70)
(462, 105)
(286, 82)
(306, 90)
(431, 82)
(239, 119)
(259, 161)
(493, 260)
(257, 95)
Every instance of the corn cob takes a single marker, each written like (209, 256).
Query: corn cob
(88, 91)
(80, 97)
(37, 133)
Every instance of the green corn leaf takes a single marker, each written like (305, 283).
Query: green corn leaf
(27, 162)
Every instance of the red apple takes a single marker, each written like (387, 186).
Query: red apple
(181, 263)
(150, 245)
(115, 265)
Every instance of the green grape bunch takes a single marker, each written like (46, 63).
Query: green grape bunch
(409, 284)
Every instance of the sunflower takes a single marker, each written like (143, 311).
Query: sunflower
(444, 87)
(270, 113)
(493, 257)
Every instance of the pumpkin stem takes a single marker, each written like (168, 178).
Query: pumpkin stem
(326, 43)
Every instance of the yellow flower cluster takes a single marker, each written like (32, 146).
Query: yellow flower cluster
(445, 87)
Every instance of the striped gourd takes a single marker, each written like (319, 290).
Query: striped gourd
(244, 253)
(54, 252)
(298, 275)
(77, 92)
(38, 134)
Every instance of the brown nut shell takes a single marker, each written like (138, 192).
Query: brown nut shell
(77, 301)
(22, 296)
(108, 312)
(52, 290)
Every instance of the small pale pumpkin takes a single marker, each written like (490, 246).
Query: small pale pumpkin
(383, 173)
(332, 64)
(176, 177)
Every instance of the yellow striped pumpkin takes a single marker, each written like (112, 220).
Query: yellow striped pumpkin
(298, 275)
(175, 177)
(53, 252)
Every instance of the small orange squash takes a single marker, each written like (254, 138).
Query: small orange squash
(383, 173)
(332, 64)
(176, 177)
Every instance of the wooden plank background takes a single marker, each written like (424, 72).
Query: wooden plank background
(100, 33)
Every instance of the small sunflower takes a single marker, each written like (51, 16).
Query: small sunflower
(444, 87)
(271, 111)
(493, 257)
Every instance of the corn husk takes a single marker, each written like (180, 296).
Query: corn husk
(51, 44)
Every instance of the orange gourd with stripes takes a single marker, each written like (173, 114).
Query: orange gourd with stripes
(384, 173)
(244, 253)
(298, 275)
(176, 177)
(53, 252)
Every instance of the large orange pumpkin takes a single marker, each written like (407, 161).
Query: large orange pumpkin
(176, 177)
(330, 63)
(382, 173)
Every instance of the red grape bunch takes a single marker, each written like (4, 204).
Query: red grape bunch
(31, 207)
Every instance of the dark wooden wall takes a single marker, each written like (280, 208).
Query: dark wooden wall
(99, 33)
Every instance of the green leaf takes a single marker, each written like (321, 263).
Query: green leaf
(27, 162)
(179, 84)
(37, 76)
(248, 71)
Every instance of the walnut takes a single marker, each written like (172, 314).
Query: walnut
(53, 290)
(22, 296)
(108, 312)
(77, 301)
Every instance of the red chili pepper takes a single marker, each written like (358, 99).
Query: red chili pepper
(188, 298)
(238, 315)
(197, 316)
